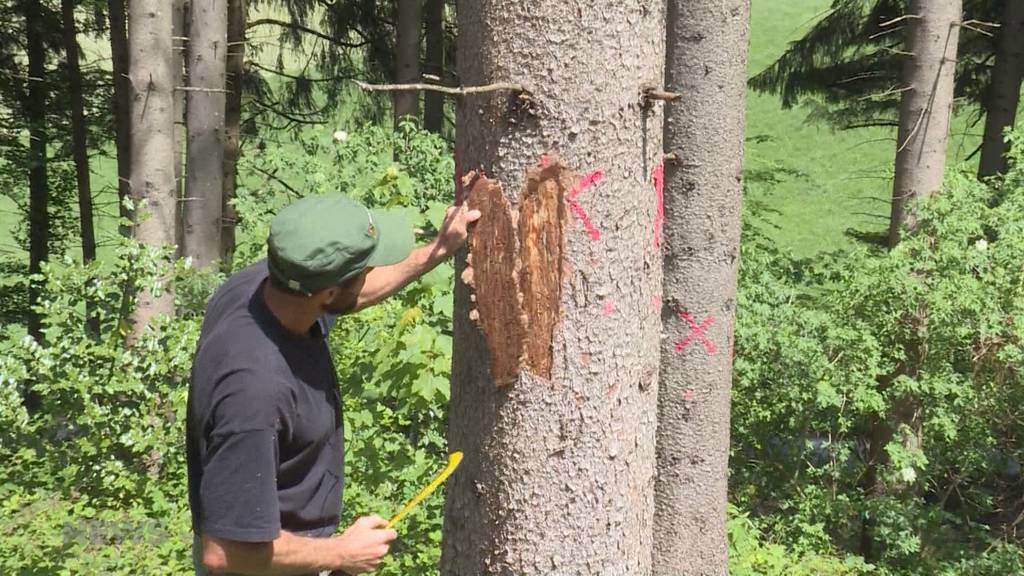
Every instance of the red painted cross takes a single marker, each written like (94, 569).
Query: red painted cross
(696, 332)
(587, 181)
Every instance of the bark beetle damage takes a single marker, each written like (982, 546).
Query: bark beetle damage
(515, 269)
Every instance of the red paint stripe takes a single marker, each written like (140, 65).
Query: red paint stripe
(659, 209)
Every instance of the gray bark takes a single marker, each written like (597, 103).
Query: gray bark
(207, 55)
(925, 109)
(232, 124)
(706, 65)
(122, 105)
(407, 57)
(1001, 109)
(179, 31)
(152, 142)
(79, 146)
(433, 102)
(558, 475)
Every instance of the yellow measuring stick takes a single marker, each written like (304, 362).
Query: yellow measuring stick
(453, 462)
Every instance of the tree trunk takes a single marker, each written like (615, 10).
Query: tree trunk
(152, 142)
(1004, 97)
(179, 43)
(39, 191)
(433, 102)
(79, 148)
(706, 66)
(207, 55)
(554, 384)
(232, 125)
(407, 57)
(925, 109)
(122, 106)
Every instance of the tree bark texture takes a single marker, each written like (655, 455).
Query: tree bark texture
(207, 56)
(122, 105)
(706, 66)
(433, 102)
(407, 57)
(232, 125)
(179, 45)
(1004, 96)
(39, 189)
(152, 141)
(79, 145)
(555, 362)
(925, 109)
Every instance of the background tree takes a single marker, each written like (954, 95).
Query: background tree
(235, 82)
(407, 57)
(152, 142)
(1004, 91)
(554, 407)
(706, 66)
(34, 105)
(208, 47)
(121, 105)
(433, 102)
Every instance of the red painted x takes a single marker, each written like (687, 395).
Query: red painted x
(696, 332)
(588, 181)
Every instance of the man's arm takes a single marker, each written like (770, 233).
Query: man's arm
(359, 549)
(386, 280)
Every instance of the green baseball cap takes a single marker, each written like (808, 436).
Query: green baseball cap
(323, 240)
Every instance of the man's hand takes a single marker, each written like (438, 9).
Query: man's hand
(453, 231)
(364, 544)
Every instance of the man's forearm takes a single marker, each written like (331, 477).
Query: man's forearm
(386, 280)
(288, 555)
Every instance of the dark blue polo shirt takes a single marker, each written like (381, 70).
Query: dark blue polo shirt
(264, 434)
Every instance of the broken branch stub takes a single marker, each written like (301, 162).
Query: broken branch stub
(515, 269)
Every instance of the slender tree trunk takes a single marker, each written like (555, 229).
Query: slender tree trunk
(122, 106)
(152, 142)
(554, 373)
(79, 148)
(1001, 109)
(232, 125)
(926, 108)
(706, 65)
(180, 45)
(39, 191)
(433, 102)
(407, 57)
(207, 55)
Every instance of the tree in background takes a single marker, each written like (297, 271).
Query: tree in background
(706, 65)
(203, 204)
(234, 81)
(39, 191)
(433, 102)
(152, 142)
(554, 405)
(927, 85)
(407, 57)
(1004, 91)
(121, 103)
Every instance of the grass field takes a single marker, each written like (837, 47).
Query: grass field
(818, 184)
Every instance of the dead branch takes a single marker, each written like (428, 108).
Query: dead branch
(886, 93)
(914, 131)
(900, 19)
(198, 89)
(453, 90)
(653, 93)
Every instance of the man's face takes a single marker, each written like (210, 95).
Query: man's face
(346, 295)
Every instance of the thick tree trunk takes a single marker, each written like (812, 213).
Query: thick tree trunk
(554, 386)
(122, 105)
(407, 57)
(152, 142)
(706, 65)
(79, 147)
(179, 42)
(433, 102)
(39, 190)
(925, 109)
(232, 125)
(1004, 97)
(207, 55)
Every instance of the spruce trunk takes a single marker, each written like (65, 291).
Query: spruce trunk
(407, 57)
(554, 377)
(925, 109)
(433, 102)
(235, 76)
(706, 66)
(122, 105)
(1004, 95)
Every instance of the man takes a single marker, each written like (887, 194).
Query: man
(264, 437)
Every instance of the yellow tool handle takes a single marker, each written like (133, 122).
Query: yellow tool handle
(453, 462)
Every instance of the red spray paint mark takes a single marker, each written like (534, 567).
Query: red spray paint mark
(688, 395)
(656, 301)
(587, 181)
(458, 179)
(545, 161)
(608, 308)
(696, 332)
(659, 211)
